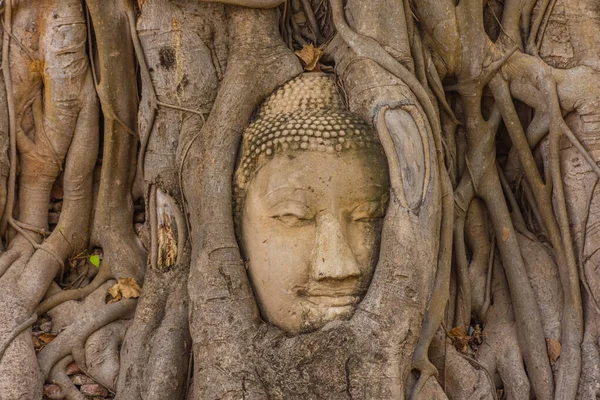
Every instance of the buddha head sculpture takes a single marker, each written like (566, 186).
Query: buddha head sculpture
(311, 191)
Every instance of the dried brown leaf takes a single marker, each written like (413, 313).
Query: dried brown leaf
(460, 339)
(46, 337)
(457, 332)
(310, 56)
(39, 342)
(125, 288)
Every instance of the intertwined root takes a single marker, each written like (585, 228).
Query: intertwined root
(56, 120)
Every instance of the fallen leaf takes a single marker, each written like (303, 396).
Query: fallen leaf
(310, 56)
(460, 339)
(47, 337)
(505, 234)
(125, 288)
(554, 348)
(95, 260)
(457, 332)
(39, 342)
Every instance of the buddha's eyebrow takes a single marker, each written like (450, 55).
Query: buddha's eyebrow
(380, 188)
(290, 189)
(375, 186)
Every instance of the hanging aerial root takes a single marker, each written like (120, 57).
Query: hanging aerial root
(572, 325)
(554, 218)
(12, 176)
(462, 316)
(439, 297)
(582, 150)
(528, 318)
(147, 83)
(481, 168)
(582, 259)
(312, 20)
(369, 48)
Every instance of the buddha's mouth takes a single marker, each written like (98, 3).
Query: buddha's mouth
(333, 298)
(334, 301)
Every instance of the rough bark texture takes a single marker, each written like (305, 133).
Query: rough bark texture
(120, 126)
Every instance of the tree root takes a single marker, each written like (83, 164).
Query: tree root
(440, 294)
(9, 257)
(103, 275)
(12, 177)
(59, 377)
(249, 3)
(466, 193)
(92, 318)
(556, 225)
(102, 350)
(113, 230)
(16, 332)
(254, 38)
(366, 47)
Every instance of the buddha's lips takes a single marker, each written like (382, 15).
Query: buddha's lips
(334, 301)
(331, 297)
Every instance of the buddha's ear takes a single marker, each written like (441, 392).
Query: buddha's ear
(405, 142)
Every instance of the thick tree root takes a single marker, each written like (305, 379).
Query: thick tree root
(59, 377)
(439, 297)
(216, 258)
(16, 332)
(102, 353)
(113, 228)
(103, 275)
(91, 318)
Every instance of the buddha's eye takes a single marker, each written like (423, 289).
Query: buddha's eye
(292, 213)
(368, 219)
(368, 212)
(292, 219)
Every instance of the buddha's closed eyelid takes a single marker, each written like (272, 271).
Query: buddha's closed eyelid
(368, 211)
(291, 212)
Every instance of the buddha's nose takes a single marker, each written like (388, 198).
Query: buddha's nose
(332, 256)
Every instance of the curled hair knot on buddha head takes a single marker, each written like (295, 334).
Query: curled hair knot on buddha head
(305, 114)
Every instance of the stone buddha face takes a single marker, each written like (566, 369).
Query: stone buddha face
(310, 218)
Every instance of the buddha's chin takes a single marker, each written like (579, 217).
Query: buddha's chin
(317, 316)
(308, 315)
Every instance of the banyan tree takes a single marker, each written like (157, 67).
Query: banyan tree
(317, 199)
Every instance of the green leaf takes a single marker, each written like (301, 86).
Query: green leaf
(95, 259)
